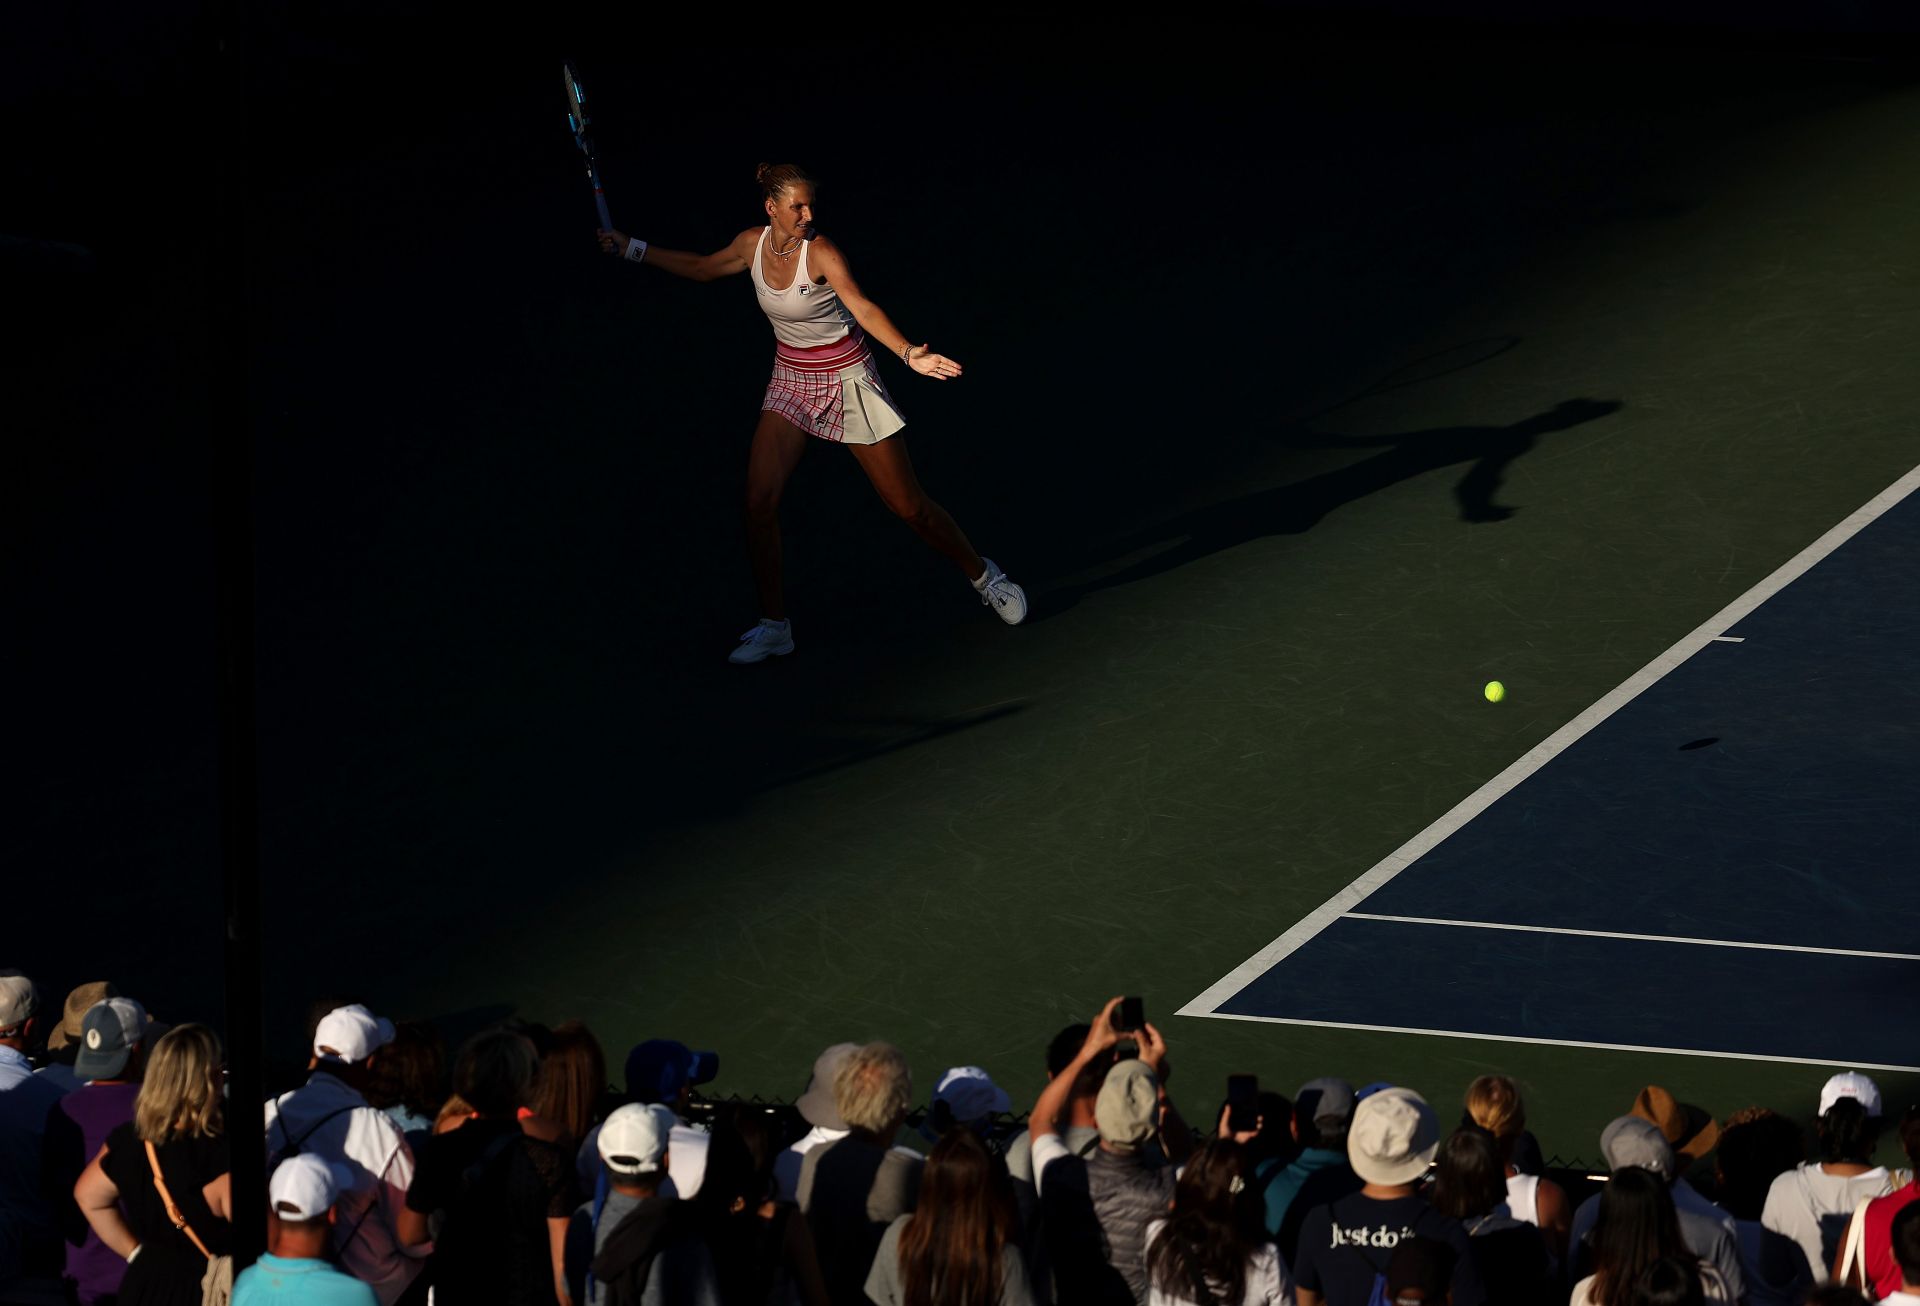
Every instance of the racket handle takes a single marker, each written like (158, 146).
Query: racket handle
(600, 202)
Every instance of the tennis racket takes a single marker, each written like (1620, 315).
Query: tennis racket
(578, 120)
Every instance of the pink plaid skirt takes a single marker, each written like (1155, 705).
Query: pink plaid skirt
(833, 392)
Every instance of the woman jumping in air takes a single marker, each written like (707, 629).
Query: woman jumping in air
(824, 385)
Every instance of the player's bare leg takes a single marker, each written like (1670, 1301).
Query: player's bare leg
(891, 471)
(777, 446)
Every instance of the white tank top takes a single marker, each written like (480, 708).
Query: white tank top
(1523, 1198)
(804, 316)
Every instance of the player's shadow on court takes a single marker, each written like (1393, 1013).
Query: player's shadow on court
(1295, 508)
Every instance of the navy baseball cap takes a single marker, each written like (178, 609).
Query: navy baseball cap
(659, 1068)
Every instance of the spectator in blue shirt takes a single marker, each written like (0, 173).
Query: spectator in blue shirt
(301, 1194)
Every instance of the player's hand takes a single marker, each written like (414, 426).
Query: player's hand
(614, 242)
(937, 366)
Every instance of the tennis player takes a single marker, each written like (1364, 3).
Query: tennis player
(825, 386)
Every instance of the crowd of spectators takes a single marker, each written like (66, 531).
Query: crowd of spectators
(512, 1173)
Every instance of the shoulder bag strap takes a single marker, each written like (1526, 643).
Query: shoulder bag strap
(293, 1145)
(173, 1211)
(1853, 1254)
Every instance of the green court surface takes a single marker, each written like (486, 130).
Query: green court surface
(505, 767)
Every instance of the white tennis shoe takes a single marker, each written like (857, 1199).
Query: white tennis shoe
(768, 639)
(1008, 600)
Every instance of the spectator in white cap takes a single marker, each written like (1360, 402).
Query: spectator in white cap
(1346, 1246)
(29, 1237)
(817, 1108)
(330, 1117)
(661, 1070)
(646, 1249)
(1095, 1209)
(1633, 1142)
(110, 1041)
(302, 1210)
(1813, 1202)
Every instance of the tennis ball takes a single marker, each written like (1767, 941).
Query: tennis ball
(1495, 691)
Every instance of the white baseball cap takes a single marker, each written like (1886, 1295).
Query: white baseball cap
(634, 1138)
(1853, 1084)
(970, 1094)
(351, 1034)
(306, 1186)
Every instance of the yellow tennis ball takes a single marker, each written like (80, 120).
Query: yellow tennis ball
(1495, 691)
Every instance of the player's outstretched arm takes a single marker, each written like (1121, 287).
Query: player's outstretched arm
(736, 257)
(825, 256)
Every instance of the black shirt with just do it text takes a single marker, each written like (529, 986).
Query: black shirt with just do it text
(1345, 1244)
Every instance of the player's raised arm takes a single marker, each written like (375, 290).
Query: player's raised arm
(736, 257)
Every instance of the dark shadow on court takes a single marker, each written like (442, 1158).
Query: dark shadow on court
(1295, 508)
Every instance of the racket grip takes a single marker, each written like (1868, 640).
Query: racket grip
(600, 202)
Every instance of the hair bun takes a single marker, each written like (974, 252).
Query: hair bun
(761, 173)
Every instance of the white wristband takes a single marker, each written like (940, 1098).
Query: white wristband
(636, 250)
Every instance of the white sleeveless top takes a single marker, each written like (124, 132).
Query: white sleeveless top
(1523, 1198)
(804, 316)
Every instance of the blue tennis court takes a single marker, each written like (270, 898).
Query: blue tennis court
(1717, 858)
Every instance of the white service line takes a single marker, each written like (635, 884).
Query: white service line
(1207, 1003)
(1560, 1042)
(1638, 938)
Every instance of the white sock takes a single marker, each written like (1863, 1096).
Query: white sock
(777, 625)
(985, 576)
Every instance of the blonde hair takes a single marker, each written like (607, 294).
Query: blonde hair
(1494, 1103)
(774, 178)
(873, 1088)
(181, 1093)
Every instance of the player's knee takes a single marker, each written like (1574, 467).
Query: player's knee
(913, 509)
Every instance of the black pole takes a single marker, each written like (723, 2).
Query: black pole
(225, 90)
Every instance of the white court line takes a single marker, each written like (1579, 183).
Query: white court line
(1208, 1003)
(1640, 938)
(1561, 1042)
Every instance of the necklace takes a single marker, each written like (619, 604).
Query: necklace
(783, 253)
